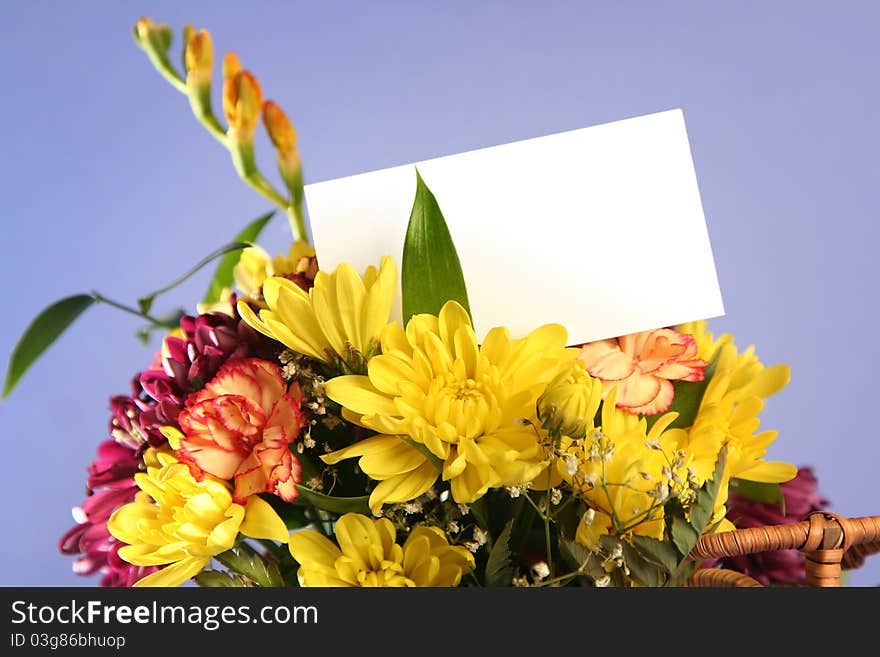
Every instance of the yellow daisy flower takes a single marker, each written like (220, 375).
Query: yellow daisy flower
(338, 320)
(367, 555)
(624, 472)
(181, 523)
(435, 396)
(729, 415)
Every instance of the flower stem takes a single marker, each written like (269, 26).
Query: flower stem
(100, 298)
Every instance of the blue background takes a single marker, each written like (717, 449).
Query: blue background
(109, 183)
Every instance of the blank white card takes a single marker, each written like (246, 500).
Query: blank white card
(600, 229)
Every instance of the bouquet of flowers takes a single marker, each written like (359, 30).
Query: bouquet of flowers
(289, 433)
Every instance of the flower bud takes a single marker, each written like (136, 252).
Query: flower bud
(143, 28)
(570, 401)
(231, 65)
(155, 39)
(280, 129)
(199, 59)
(242, 102)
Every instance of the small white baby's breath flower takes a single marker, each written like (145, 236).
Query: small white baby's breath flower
(589, 516)
(540, 570)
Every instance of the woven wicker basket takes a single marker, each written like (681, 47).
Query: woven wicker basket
(829, 542)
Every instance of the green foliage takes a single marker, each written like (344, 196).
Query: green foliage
(499, 567)
(430, 271)
(223, 276)
(338, 505)
(259, 570)
(688, 396)
(41, 333)
(220, 579)
(760, 492)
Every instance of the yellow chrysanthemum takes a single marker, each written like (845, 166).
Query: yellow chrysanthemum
(729, 415)
(367, 555)
(339, 319)
(179, 522)
(255, 266)
(435, 391)
(624, 472)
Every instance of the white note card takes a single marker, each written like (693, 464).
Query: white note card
(600, 229)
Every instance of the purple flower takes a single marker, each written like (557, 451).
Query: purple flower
(189, 362)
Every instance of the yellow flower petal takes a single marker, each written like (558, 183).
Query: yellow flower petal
(262, 521)
(175, 574)
(768, 472)
(358, 394)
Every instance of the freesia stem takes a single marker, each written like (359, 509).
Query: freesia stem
(100, 298)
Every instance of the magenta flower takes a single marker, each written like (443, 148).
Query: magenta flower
(193, 360)
(89, 540)
(157, 397)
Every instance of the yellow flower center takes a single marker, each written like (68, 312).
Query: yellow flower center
(469, 406)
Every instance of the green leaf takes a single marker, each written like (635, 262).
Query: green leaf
(580, 559)
(703, 508)
(260, 571)
(220, 579)
(759, 491)
(332, 504)
(683, 535)
(640, 568)
(499, 568)
(430, 271)
(480, 510)
(688, 396)
(40, 335)
(223, 276)
(659, 552)
(146, 301)
(685, 569)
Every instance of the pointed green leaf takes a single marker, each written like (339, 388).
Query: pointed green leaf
(41, 333)
(219, 579)
(759, 491)
(580, 559)
(687, 399)
(640, 568)
(223, 276)
(257, 569)
(703, 508)
(332, 504)
(683, 535)
(430, 272)
(685, 569)
(499, 568)
(659, 552)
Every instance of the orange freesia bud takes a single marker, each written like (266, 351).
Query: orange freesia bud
(231, 65)
(144, 27)
(199, 57)
(279, 127)
(242, 102)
